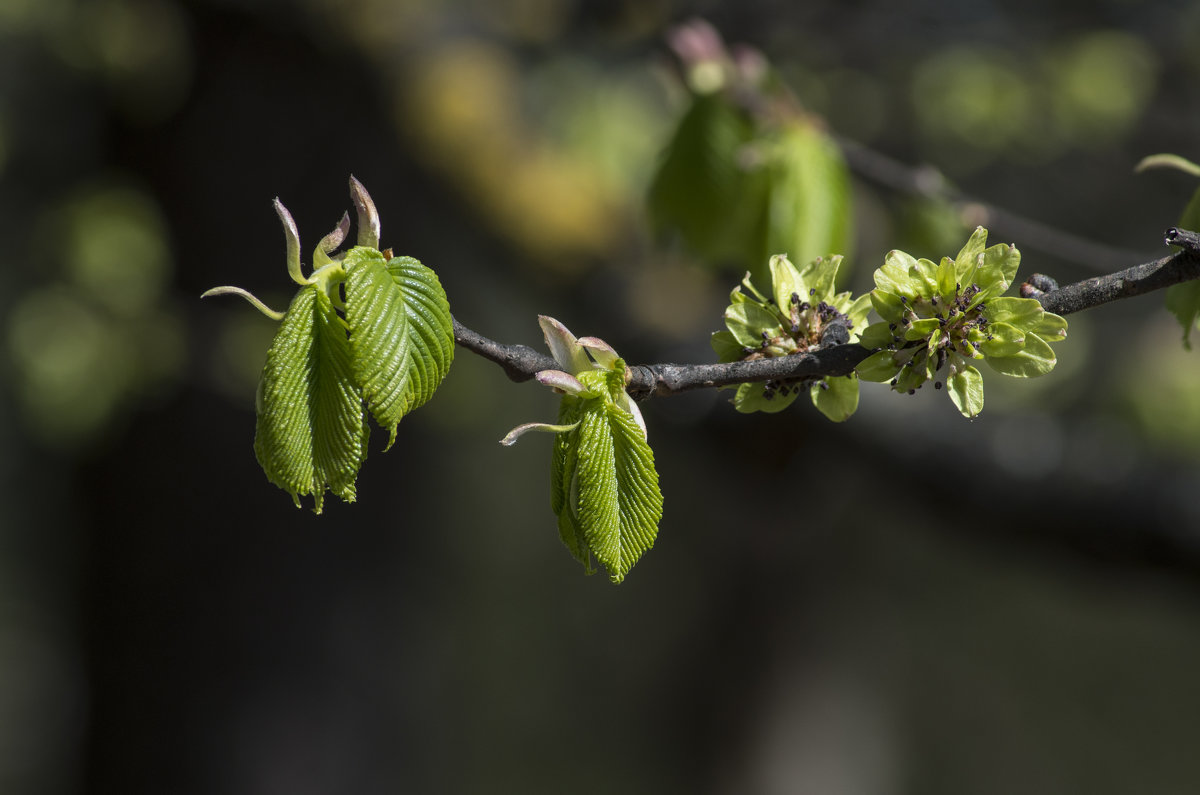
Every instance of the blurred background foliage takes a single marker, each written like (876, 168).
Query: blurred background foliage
(815, 618)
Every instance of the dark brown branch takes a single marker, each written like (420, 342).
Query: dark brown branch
(520, 362)
(1181, 266)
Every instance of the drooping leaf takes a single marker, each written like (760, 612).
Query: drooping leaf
(563, 493)
(966, 390)
(838, 399)
(619, 502)
(401, 333)
(311, 433)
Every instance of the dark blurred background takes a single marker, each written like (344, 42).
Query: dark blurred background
(907, 603)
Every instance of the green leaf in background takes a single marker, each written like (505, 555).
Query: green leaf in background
(706, 188)
(311, 433)
(401, 333)
(619, 502)
(808, 213)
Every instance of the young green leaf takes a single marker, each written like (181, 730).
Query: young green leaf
(879, 367)
(726, 346)
(836, 397)
(401, 333)
(747, 322)
(752, 397)
(1036, 358)
(311, 433)
(966, 390)
(619, 502)
(563, 493)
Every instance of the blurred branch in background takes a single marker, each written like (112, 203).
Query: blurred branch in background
(927, 182)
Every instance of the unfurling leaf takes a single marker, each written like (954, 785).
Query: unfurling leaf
(359, 329)
(618, 503)
(401, 333)
(603, 485)
(311, 433)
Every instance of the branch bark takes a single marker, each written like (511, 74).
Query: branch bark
(521, 362)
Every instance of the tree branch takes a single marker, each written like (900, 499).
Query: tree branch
(520, 362)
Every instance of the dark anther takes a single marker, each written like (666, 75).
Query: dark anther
(795, 298)
(824, 385)
(933, 301)
(937, 384)
(904, 299)
(893, 383)
(891, 326)
(812, 291)
(766, 336)
(912, 391)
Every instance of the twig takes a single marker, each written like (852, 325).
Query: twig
(520, 362)
(1181, 266)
